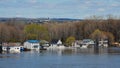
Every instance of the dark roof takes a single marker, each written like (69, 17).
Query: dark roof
(33, 41)
(54, 41)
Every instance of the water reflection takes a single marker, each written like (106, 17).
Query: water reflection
(9, 55)
(67, 51)
(63, 58)
(78, 51)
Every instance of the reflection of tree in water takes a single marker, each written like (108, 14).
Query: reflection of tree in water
(113, 50)
(78, 51)
(68, 52)
(60, 52)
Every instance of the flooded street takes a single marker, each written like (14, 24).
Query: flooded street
(67, 58)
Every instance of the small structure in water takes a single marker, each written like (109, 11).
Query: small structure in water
(87, 43)
(76, 44)
(32, 44)
(12, 47)
(44, 44)
(103, 43)
(56, 44)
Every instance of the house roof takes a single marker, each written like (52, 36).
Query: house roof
(59, 42)
(56, 42)
(33, 41)
(44, 41)
(11, 44)
(87, 41)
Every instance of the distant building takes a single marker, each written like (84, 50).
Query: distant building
(87, 43)
(56, 44)
(103, 43)
(44, 44)
(76, 43)
(12, 47)
(32, 44)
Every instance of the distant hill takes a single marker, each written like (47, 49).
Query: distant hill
(65, 19)
(37, 20)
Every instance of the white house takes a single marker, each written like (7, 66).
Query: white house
(32, 44)
(87, 43)
(76, 43)
(57, 44)
(12, 47)
(44, 44)
(103, 43)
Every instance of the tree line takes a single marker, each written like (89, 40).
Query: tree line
(88, 28)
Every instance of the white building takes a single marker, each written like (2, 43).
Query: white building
(57, 44)
(32, 44)
(76, 43)
(87, 43)
(12, 49)
(103, 43)
(44, 44)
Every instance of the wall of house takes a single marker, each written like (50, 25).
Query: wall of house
(14, 48)
(31, 45)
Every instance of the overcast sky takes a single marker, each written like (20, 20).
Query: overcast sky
(58, 8)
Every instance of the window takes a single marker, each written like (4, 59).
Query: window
(35, 46)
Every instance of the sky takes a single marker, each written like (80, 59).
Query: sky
(58, 8)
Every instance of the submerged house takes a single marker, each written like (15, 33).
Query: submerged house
(56, 44)
(32, 44)
(77, 43)
(44, 44)
(12, 47)
(87, 43)
(103, 43)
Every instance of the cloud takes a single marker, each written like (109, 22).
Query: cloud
(18, 15)
(33, 1)
(4, 0)
(101, 9)
(8, 1)
(87, 2)
(115, 5)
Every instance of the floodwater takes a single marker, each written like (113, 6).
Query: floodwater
(67, 58)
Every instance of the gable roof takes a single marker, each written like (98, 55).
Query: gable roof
(87, 41)
(54, 41)
(33, 41)
(59, 42)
